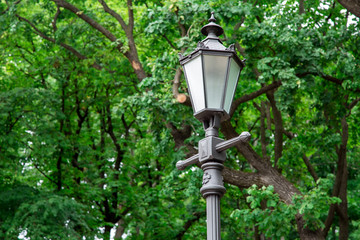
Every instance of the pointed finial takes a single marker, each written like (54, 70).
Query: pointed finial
(212, 18)
(212, 29)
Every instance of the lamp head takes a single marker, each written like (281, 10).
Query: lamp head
(212, 72)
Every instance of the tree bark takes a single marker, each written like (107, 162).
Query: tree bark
(119, 230)
(340, 188)
(352, 6)
(262, 129)
(279, 129)
(253, 95)
(305, 233)
(188, 224)
(301, 7)
(310, 167)
(342, 175)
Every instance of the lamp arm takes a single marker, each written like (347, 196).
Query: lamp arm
(243, 137)
(182, 164)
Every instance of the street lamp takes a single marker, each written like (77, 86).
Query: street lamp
(212, 72)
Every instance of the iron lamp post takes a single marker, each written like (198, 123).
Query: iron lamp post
(212, 72)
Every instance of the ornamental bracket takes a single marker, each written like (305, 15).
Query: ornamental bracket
(219, 147)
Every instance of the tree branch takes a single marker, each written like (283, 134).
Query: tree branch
(179, 135)
(301, 7)
(169, 42)
(262, 129)
(306, 160)
(189, 223)
(279, 129)
(340, 187)
(132, 54)
(110, 131)
(353, 103)
(114, 14)
(86, 18)
(181, 97)
(253, 95)
(46, 176)
(250, 155)
(310, 167)
(324, 76)
(69, 48)
(55, 18)
(12, 124)
(183, 31)
(131, 14)
(8, 6)
(242, 179)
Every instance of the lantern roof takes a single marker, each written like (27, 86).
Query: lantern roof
(212, 43)
(212, 28)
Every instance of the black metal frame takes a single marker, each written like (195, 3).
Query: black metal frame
(202, 50)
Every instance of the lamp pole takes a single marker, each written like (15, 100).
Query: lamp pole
(212, 72)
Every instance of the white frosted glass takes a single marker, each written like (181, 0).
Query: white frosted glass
(215, 73)
(231, 85)
(194, 76)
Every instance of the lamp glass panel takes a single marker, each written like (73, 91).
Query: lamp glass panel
(231, 85)
(215, 68)
(194, 76)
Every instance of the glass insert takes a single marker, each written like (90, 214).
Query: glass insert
(194, 77)
(215, 68)
(232, 83)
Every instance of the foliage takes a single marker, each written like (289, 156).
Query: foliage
(275, 218)
(91, 129)
(25, 210)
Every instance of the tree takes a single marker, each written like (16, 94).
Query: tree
(94, 115)
(351, 6)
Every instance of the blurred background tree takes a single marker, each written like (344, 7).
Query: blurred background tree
(94, 114)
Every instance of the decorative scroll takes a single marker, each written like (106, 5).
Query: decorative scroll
(231, 48)
(201, 45)
(206, 178)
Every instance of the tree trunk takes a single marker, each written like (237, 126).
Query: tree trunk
(305, 233)
(119, 230)
(342, 176)
(107, 232)
(352, 6)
